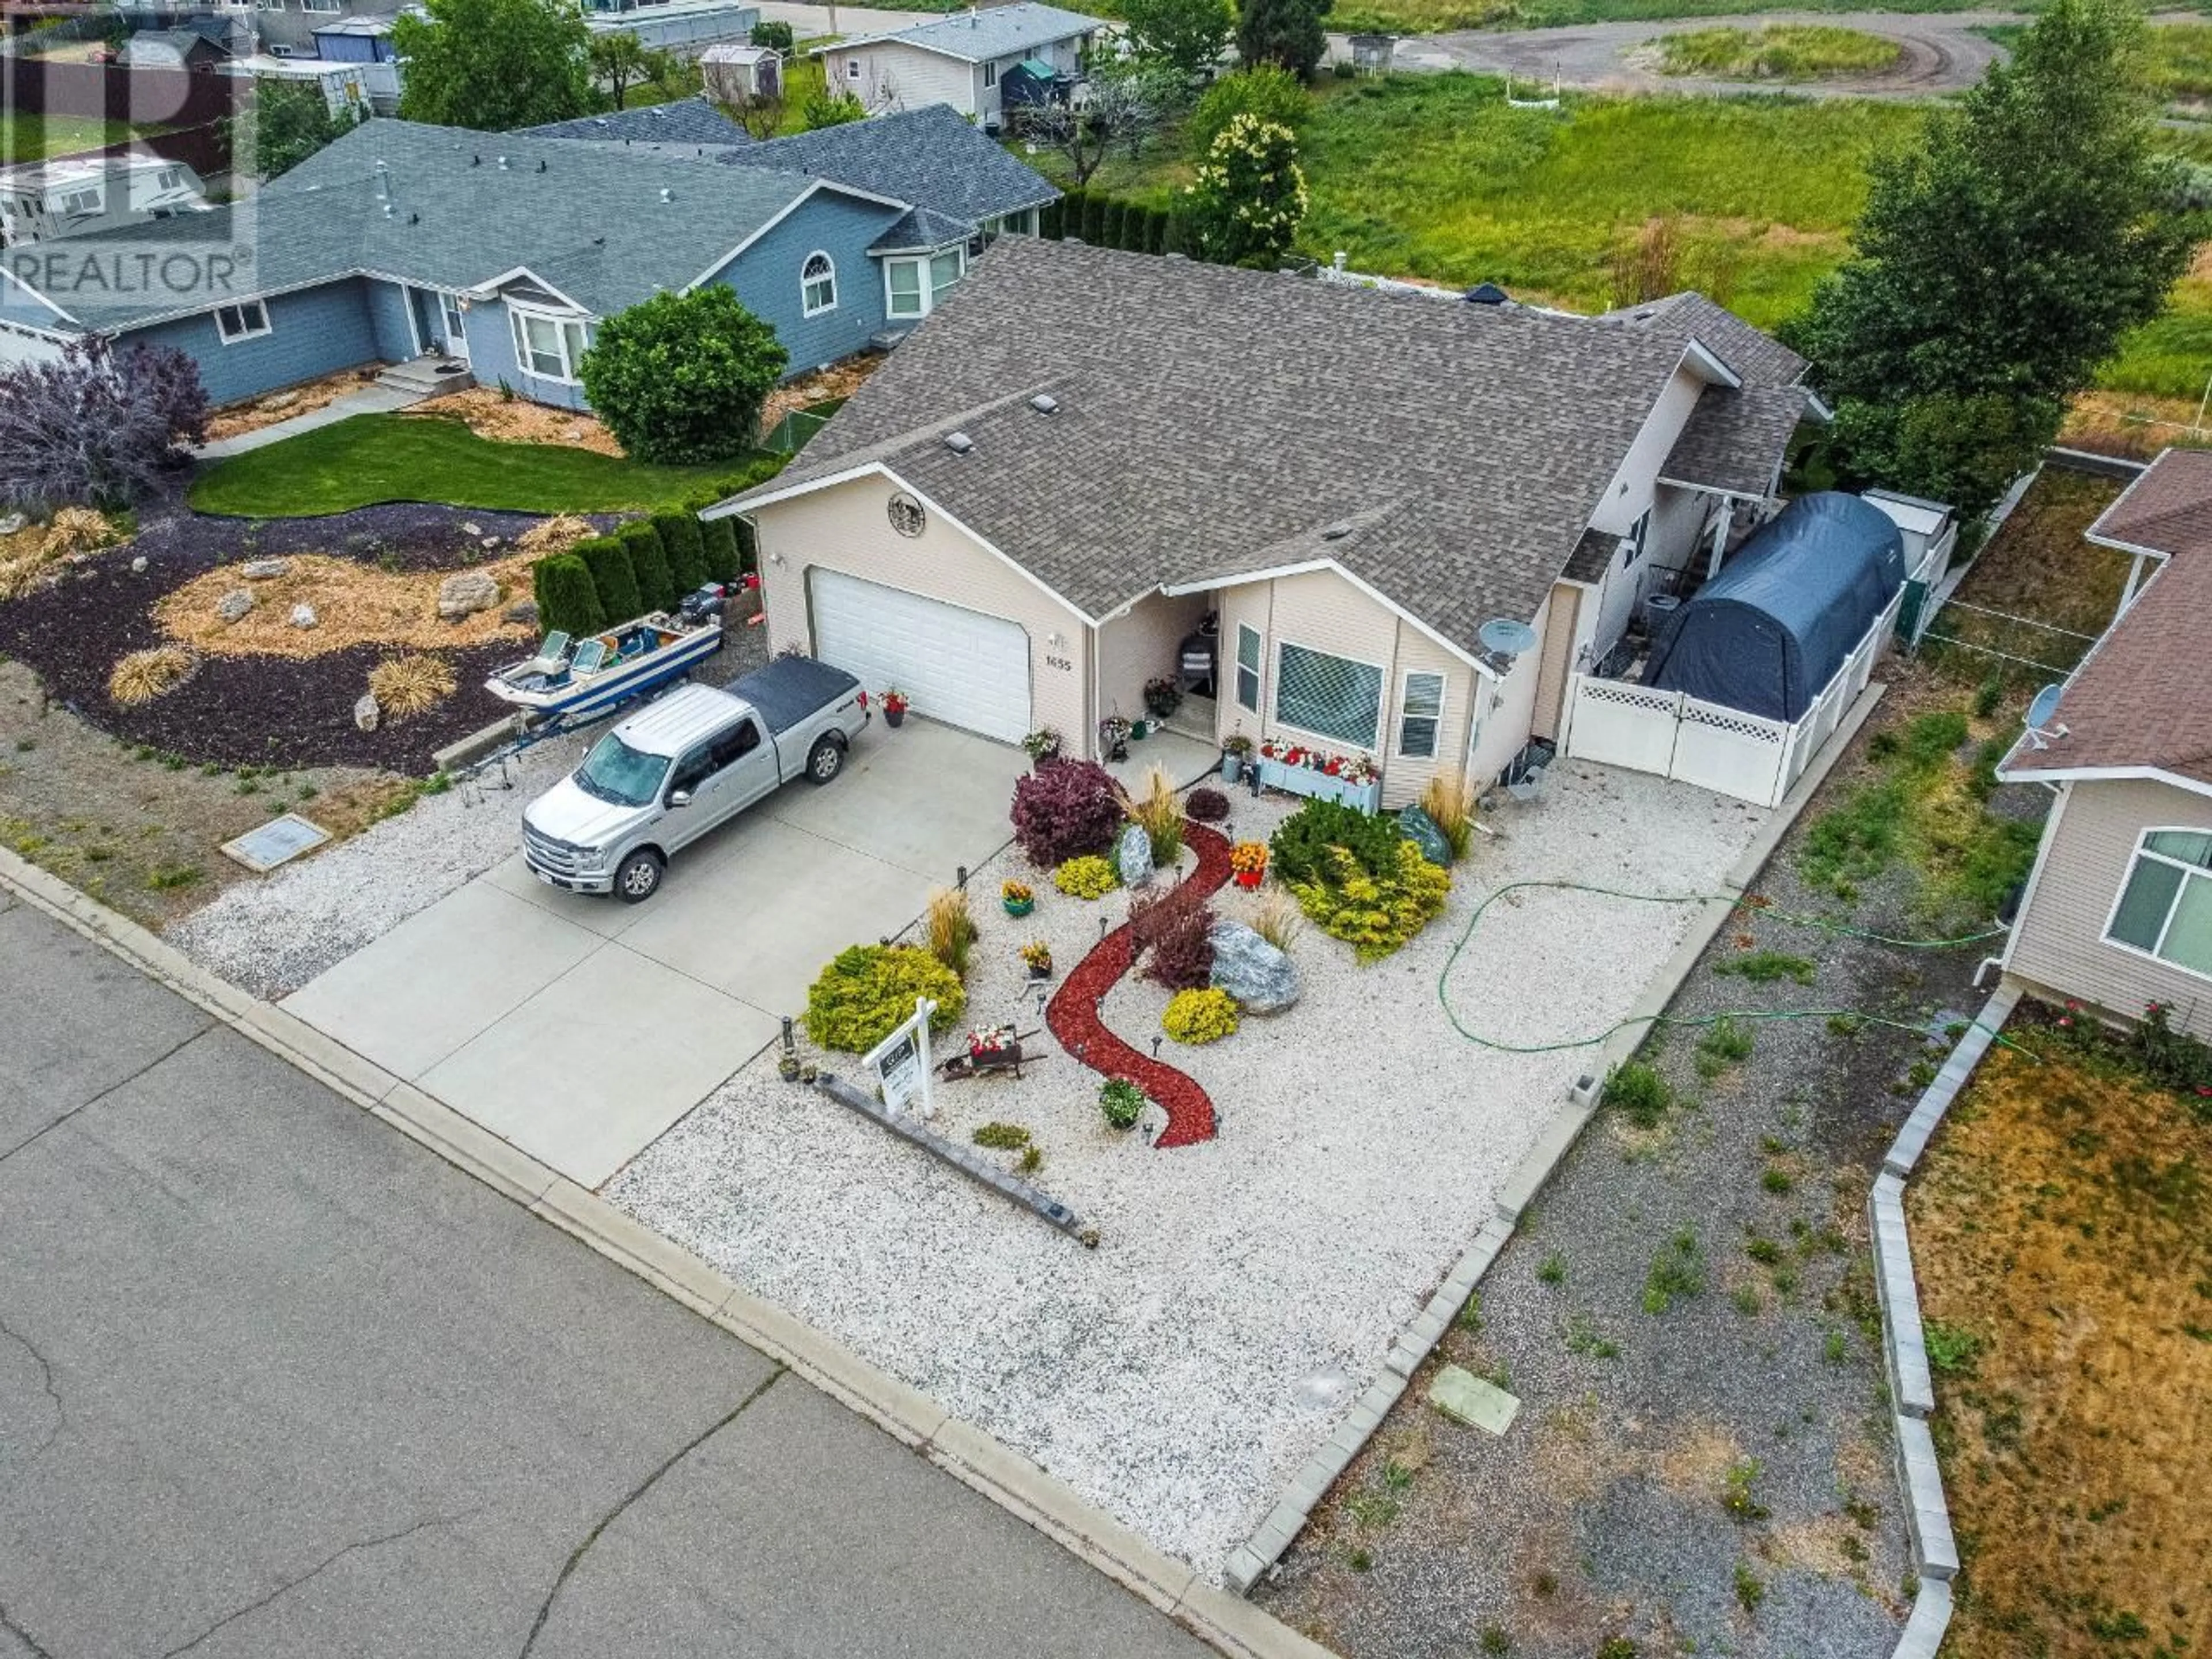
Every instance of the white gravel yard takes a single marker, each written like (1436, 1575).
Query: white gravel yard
(272, 936)
(1245, 1290)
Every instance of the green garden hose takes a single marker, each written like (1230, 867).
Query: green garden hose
(1734, 902)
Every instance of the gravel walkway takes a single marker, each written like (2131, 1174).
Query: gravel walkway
(1244, 1289)
(1604, 1511)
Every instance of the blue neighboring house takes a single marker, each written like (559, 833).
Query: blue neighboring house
(504, 250)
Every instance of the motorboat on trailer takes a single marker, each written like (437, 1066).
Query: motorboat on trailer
(573, 679)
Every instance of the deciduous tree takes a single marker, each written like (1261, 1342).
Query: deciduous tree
(292, 120)
(1999, 262)
(681, 378)
(619, 61)
(494, 64)
(1287, 34)
(1250, 196)
(1185, 36)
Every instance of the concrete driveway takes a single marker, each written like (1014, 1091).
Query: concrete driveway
(580, 1027)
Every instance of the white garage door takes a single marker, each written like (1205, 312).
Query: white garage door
(956, 665)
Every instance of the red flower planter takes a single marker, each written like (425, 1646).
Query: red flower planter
(1072, 1014)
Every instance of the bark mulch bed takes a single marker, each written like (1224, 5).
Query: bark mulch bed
(257, 711)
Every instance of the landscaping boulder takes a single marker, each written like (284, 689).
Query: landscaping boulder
(262, 570)
(469, 528)
(233, 606)
(138, 565)
(464, 593)
(522, 610)
(490, 541)
(1133, 858)
(1420, 829)
(368, 712)
(1152, 1122)
(12, 524)
(303, 615)
(1262, 979)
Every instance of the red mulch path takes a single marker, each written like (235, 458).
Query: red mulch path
(1072, 1014)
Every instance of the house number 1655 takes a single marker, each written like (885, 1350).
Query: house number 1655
(1061, 663)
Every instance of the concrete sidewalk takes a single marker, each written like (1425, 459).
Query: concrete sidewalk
(370, 400)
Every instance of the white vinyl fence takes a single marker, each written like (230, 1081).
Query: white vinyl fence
(1724, 750)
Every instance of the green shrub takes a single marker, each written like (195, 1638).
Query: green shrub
(1052, 219)
(648, 563)
(681, 378)
(1195, 1017)
(867, 990)
(1121, 1101)
(1298, 850)
(1002, 1137)
(1677, 1272)
(1933, 738)
(1265, 90)
(686, 548)
(1086, 877)
(612, 574)
(1374, 915)
(719, 540)
(566, 598)
(1638, 1093)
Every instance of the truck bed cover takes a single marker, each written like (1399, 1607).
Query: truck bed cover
(791, 689)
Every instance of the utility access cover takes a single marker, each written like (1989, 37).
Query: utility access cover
(1466, 1398)
(277, 841)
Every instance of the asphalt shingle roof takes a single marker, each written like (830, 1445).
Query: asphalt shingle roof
(991, 32)
(1213, 421)
(687, 121)
(2168, 507)
(932, 157)
(1735, 440)
(921, 227)
(1759, 357)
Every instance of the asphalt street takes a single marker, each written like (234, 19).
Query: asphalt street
(275, 1381)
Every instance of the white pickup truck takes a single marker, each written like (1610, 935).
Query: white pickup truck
(687, 762)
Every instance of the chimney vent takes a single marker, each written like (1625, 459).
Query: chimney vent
(1045, 404)
(959, 442)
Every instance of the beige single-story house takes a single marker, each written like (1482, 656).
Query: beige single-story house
(978, 61)
(2118, 910)
(1087, 458)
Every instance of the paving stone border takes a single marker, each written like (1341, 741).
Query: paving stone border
(1226, 1623)
(1251, 1560)
(1903, 1346)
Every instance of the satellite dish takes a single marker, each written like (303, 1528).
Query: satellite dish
(1503, 636)
(2042, 712)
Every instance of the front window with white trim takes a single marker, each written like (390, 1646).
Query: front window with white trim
(2166, 905)
(1329, 697)
(546, 345)
(914, 285)
(1248, 667)
(817, 285)
(247, 321)
(1420, 715)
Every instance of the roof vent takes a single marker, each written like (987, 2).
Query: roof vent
(666, 194)
(476, 161)
(1045, 404)
(959, 442)
(1487, 293)
(502, 164)
(1336, 533)
(541, 164)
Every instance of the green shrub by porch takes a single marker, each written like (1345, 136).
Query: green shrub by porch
(608, 561)
(686, 548)
(567, 598)
(649, 562)
(680, 377)
(720, 537)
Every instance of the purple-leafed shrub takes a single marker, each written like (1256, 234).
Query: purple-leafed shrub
(1063, 810)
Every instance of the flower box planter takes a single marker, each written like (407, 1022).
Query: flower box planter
(1019, 907)
(1311, 781)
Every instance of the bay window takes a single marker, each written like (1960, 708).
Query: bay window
(2165, 907)
(1329, 697)
(913, 285)
(546, 346)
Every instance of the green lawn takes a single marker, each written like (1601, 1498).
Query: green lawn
(1777, 52)
(409, 458)
(34, 137)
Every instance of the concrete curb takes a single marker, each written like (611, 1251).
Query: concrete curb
(1904, 1353)
(1024, 1490)
(1251, 1560)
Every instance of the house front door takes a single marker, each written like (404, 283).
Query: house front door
(449, 317)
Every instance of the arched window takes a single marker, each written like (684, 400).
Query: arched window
(817, 285)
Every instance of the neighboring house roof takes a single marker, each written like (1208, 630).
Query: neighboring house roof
(1214, 422)
(1734, 439)
(1759, 357)
(2140, 703)
(686, 121)
(977, 36)
(934, 157)
(157, 45)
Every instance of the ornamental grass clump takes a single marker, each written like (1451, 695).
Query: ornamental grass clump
(868, 990)
(1196, 1016)
(950, 927)
(1277, 919)
(1086, 877)
(1159, 815)
(1065, 810)
(411, 685)
(145, 675)
(1450, 802)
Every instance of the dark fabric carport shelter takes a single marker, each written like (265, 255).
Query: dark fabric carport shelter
(1772, 628)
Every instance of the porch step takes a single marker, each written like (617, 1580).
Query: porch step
(428, 377)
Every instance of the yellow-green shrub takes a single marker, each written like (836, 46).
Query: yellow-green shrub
(868, 989)
(1374, 915)
(1205, 1015)
(1086, 877)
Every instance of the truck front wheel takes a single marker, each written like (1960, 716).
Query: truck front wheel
(825, 760)
(639, 877)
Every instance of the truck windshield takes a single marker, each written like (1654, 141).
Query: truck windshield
(615, 772)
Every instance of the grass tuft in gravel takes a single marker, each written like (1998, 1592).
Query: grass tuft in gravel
(410, 685)
(1678, 1272)
(145, 675)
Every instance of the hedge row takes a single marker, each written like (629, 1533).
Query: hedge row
(649, 564)
(1106, 220)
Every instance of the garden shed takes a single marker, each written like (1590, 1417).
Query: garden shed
(1769, 632)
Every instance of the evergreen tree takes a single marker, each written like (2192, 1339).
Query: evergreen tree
(1287, 34)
